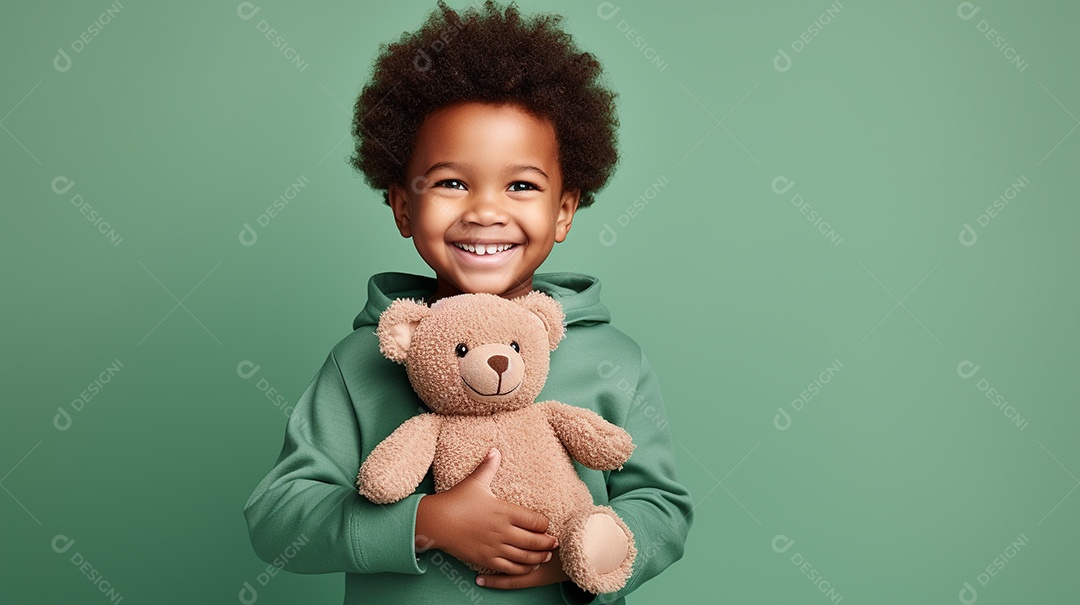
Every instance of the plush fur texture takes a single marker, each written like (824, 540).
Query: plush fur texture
(479, 361)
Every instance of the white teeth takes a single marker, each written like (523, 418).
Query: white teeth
(482, 249)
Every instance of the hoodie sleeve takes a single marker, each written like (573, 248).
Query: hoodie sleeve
(306, 515)
(646, 493)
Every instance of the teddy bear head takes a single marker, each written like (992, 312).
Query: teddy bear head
(475, 353)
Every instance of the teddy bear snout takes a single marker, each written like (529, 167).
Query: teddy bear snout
(499, 363)
(492, 370)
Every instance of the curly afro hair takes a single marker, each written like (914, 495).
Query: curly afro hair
(490, 56)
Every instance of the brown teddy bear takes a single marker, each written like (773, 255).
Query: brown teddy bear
(479, 361)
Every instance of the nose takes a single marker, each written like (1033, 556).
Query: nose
(499, 363)
(485, 209)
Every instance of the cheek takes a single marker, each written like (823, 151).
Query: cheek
(432, 221)
(538, 224)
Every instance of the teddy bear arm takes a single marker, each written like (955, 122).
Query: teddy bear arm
(398, 464)
(589, 438)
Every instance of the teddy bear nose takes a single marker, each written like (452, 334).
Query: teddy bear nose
(499, 363)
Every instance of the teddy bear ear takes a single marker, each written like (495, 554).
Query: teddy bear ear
(548, 311)
(396, 326)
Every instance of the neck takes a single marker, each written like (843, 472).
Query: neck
(444, 288)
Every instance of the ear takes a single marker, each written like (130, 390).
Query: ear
(549, 313)
(568, 205)
(399, 204)
(396, 326)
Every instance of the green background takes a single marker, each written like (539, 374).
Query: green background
(899, 480)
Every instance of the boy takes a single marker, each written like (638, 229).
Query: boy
(486, 132)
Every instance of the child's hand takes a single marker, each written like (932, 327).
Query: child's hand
(469, 522)
(548, 573)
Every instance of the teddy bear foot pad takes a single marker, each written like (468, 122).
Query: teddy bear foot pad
(597, 550)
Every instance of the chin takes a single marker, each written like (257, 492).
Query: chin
(484, 284)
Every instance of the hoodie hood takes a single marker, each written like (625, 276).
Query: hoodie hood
(579, 295)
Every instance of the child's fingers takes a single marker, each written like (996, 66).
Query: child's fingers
(528, 540)
(524, 557)
(529, 519)
(510, 567)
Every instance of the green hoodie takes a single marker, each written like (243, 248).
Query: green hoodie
(306, 515)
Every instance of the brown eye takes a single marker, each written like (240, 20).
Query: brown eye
(444, 182)
(461, 349)
(515, 347)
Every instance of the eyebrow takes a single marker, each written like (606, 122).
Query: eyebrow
(509, 168)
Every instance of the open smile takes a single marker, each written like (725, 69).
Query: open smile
(484, 254)
(482, 249)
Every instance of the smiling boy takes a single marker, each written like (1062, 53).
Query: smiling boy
(486, 132)
(486, 202)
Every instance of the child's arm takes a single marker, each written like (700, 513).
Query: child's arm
(310, 498)
(646, 492)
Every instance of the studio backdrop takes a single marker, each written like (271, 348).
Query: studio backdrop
(845, 235)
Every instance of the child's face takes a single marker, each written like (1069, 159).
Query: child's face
(484, 174)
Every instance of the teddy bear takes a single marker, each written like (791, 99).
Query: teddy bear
(479, 361)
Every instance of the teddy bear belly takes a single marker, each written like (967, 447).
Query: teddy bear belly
(535, 472)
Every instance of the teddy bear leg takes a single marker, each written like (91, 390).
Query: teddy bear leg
(597, 549)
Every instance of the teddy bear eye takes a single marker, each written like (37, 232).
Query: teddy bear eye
(461, 349)
(515, 347)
